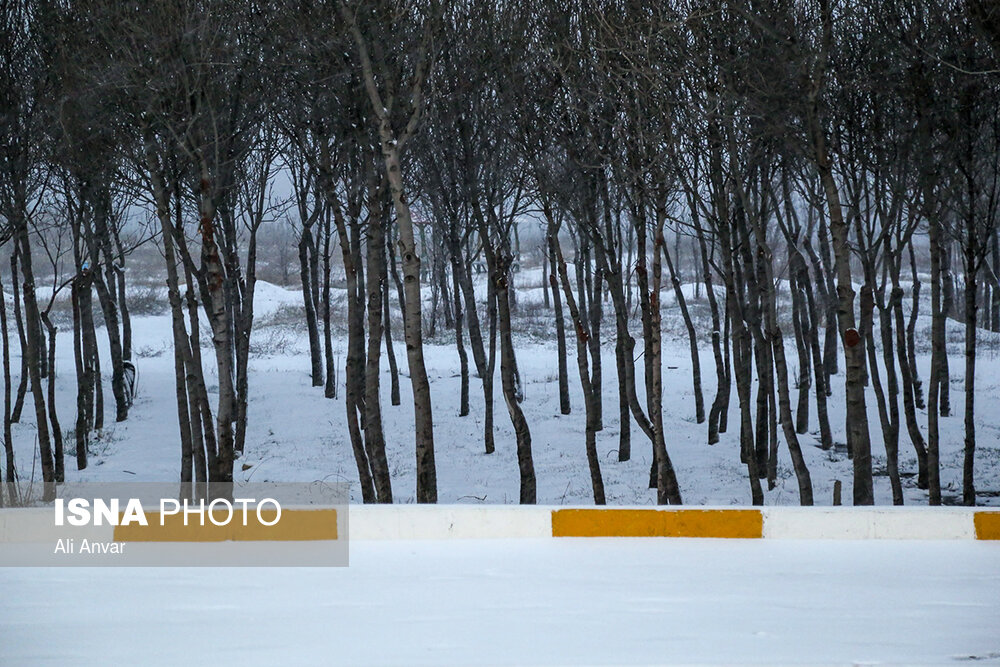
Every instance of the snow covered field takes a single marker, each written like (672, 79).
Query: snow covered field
(535, 602)
(295, 434)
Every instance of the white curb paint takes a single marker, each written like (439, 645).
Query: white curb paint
(854, 523)
(437, 522)
(38, 525)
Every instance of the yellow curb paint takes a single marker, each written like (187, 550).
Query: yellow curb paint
(987, 525)
(657, 523)
(294, 525)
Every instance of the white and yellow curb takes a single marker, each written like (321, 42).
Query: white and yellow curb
(433, 522)
(372, 522)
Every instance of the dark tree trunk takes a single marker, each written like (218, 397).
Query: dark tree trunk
(909, 390)
(699, 399)
(593, 460)
(100, 254)
(390, 352)
(22, 385)
(716, 414)
(858, 437)
(911, 333)
(82, 355)
(374, 435)
(315, 352)
(32, 351)
(819, 373)
(459, 324)
(826, 276)
(971, 320)
(892, 382)
(330, 387)
(947, 310)
(8, 437)
(57, 438)
(667, 489)
(551, 240)
(595, 288)
(243, 328)
(500, 276)
(938, 359)
(802, 348)
(484, 364)
(355, 367)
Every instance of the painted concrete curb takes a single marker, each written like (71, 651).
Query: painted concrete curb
(373, 522)
(434, 522)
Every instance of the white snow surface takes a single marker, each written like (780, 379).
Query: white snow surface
(526, 602)
(297, 435)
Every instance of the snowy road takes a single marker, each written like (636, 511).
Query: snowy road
(569, 602)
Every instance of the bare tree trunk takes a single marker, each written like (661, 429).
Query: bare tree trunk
(971, 320)
(892, 437)
(22, 385)
(459, 324)
(355, 380)
(826, 275)
(95, 362)
(214, 299)
(123, 310)
(667, 490)
(484, 364)
(594, 281)
(993, 269)
(774, 334)
(315, 355)
(374, 435)
(938, 356)
(424, 426)
(181, 363)
(819, 373)
(802, 348)
(622, 361)
(8, 437)
(99, 246)
(186, 373)
(911, 333)
(909, 390)
(84, 375)
(330, 387)
(947, 310)
(750, 274)
(202, 428)
(699, 399)
(624, 350)
(491, 360)
(854, 345)
(243, 329)
(593, 460)
(60, 460)
(741, 365)
(721, 401)
(550, 253)
(390, 352)
(32, 351)
(500, 276)
(545, 274)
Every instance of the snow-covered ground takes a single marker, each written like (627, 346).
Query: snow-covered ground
(295, 434)
(525, 602)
